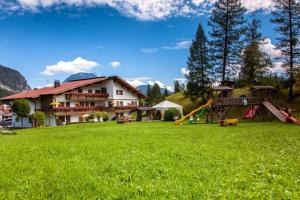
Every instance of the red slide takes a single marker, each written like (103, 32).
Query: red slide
(250, 113)
(290, 118)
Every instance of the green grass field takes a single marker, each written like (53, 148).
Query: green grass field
(152, 161)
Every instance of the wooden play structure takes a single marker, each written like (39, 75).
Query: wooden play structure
(260, 106)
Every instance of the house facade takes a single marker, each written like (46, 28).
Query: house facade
(73, 102)
(5, 112)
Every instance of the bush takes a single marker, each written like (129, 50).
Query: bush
(171, 113)
(104, 116)
(21, 107)
(99, 115)
(39, 119)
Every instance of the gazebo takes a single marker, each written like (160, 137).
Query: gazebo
(165, 105)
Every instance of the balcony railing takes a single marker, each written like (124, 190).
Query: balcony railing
(89, 109)
(238, 101)
(75, 96)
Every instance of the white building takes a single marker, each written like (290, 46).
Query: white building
(72, 102)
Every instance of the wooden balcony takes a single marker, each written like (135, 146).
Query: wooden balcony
(238, 101)
(89, 109)
(76, 96)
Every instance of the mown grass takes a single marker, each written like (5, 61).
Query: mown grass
(152, 161)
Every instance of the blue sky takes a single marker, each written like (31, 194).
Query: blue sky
(148, 45)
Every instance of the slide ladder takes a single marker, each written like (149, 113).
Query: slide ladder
(277, 113)
(209, 102)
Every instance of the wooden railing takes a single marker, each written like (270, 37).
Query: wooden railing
(240, 101)
(87, 109)
(75, 96)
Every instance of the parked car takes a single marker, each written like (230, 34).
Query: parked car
(6, 122)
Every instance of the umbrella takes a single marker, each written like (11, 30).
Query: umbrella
(55, 103)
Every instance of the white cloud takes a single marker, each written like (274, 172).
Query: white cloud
(149, 50)
(274, 53)
(185, 44)
(135, 83)
(70, 67)
(115, 64)
(185, 71)
(270, 48)
(140, 9)
(258, 4)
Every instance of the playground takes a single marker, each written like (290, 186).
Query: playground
(260, 106)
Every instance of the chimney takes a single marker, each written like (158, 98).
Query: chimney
(56, 83)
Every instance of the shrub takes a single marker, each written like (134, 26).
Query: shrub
(104, 116)
(39, 119)
(91, 117)
(171, 113)
(99, 115)
(21, 107)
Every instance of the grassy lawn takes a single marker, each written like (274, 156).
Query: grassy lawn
(152, 161)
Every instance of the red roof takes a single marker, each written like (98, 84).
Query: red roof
(64, 87)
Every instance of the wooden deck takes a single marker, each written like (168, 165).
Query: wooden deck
(238, 101)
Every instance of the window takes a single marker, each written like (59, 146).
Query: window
(110, 104)
(97, 91)
(103, 90)
(117, 103)
(79, 90)
(68, 119)
(119, 92)
(68, 104)
(90, 91)
(17, 119)
(87, 104)
(92, 104)
(62, 118)
(61, 104)
(82, 104)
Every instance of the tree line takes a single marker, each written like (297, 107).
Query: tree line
(233, 50)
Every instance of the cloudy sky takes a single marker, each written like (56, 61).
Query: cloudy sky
(140, 40)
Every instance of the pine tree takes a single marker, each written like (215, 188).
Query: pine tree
(227, 22)
(255, 64)
(156, 93)
(177, 87)
(287, 18)
(148, 100)
(166, 92)
(252, 31)
(255, 61)
(199, 67)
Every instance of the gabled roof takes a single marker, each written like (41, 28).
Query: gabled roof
(263, 87)
(64, 87)
(222, 88)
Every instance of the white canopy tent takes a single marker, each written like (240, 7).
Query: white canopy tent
(165, 105)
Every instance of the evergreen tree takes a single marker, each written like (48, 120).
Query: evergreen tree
(156, 93)
(287, 18)
(166, 92)
(255, 64)
(148, 99)
(255, 61)
(177, 87)
(199, 67)
(227, 22)
(252, 31)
